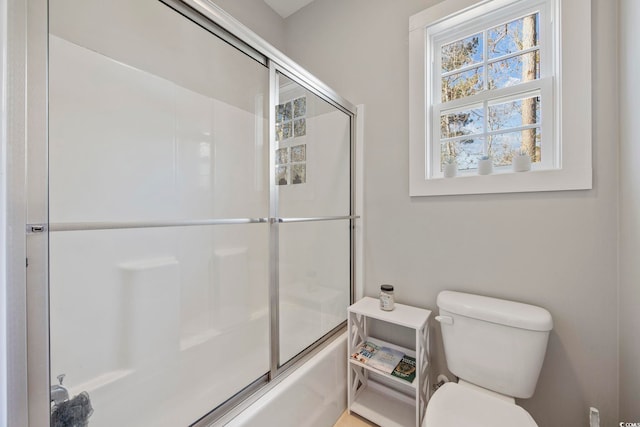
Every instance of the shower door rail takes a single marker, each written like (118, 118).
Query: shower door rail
(87, 226)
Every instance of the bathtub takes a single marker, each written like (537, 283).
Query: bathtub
(314, 395)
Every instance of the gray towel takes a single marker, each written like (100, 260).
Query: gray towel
(73, 412)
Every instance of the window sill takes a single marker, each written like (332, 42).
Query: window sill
(504, 181)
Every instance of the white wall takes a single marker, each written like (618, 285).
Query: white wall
(554, 249)
(629, 54)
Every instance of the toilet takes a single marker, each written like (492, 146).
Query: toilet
(496, 349)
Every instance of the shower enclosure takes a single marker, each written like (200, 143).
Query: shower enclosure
(200, 211)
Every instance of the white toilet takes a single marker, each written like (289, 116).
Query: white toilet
(495, 348)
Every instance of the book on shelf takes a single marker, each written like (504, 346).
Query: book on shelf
(406, 369)
(385, 359)
(365, 352)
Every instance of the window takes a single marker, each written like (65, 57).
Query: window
(486, 83)
(490, 89)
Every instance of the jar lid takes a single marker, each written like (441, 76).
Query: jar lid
(388, 288)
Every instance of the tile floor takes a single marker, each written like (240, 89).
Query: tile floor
(353, 420)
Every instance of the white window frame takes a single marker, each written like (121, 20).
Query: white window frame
(445, 32)
(565, 49)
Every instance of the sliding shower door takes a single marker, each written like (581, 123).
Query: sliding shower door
(159, 190)
(313, 188)
(200, 214)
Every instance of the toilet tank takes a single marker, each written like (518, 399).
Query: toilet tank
(493, 343)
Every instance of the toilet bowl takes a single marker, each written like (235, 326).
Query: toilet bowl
(496, 349)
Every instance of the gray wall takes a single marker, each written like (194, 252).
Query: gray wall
(554, 249)
(629, 212)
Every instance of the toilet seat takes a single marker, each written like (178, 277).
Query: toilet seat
(455, 405)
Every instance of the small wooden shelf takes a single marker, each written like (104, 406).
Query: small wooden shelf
(385, 402)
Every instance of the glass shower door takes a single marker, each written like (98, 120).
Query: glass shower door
(313, 186)
(159, 194)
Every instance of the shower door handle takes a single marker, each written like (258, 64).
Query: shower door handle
(318, 218)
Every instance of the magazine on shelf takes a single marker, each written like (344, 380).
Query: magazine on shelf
(406, 369)
(385, 359)
(365, 352)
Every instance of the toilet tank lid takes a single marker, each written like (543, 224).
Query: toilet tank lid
(509, 313)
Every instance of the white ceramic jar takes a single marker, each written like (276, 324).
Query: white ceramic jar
(521, 163)
(485, 166)
(450, 170)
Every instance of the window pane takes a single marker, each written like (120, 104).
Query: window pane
(515, 70)
(516, 113)
(503, 146)
(460, 123)
(462, 52)
(513, 36)
(465, 152)
(462, 84)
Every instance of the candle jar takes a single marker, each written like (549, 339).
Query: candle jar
(387, 300)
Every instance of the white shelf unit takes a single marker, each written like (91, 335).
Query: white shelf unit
(379, 397)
